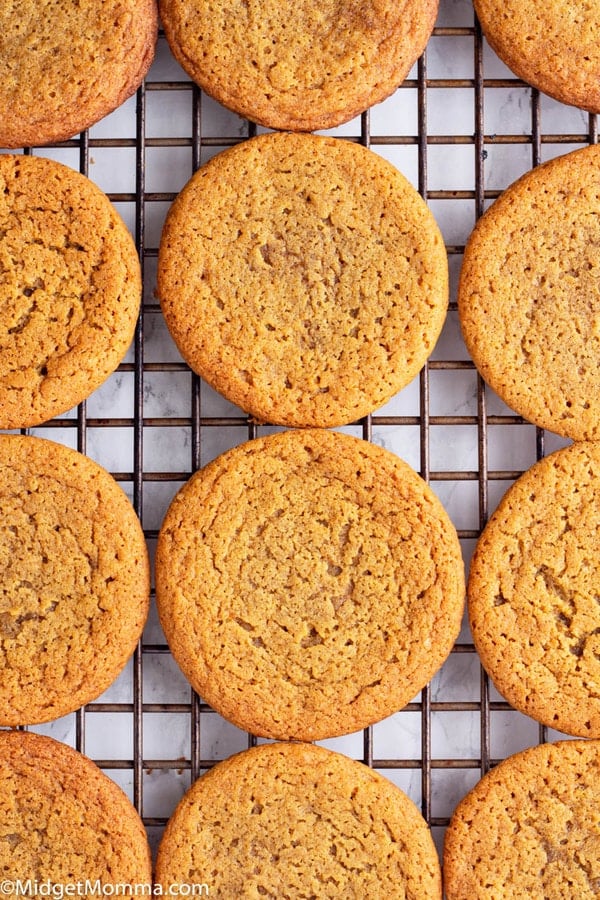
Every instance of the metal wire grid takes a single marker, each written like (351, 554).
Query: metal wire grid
(133, 770)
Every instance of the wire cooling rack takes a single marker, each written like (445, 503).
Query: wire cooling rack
(461, 128)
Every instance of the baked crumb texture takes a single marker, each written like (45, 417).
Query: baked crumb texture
(534, 592)
(65, 64)
(70, 289)
(62, 821)
(553, 46)
(529, 828)
(304, 278)
(74, 580)
(300, 66)
(309, 583)
(529, 295)
(297, 820)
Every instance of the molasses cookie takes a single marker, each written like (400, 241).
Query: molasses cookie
(304, 278)
(553, 46)
(64, 66)
(70, 289)
(74, 581)
(534, 592)
(529, 295)
(309, 584)
(296, 820)
(300, 66)
(63, 822)
(529, 828)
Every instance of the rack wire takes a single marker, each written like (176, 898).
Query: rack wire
(149, 732)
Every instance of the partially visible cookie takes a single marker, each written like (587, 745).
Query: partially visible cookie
(64, 66)
(296, 820)
(304, 278)
(74, 580)
(309, 584)
(553, 46)
(70, 289)
(63, 822)
(529, 295)
(529, 828)
(534, 592)
(298, 66)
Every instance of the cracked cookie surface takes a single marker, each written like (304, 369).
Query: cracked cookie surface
(304, 278)
(62, 820)
(309, 584)
(300, 66)
(529, 295)
(70, 289)
(65, 65)
(529, 828)
(553, 46)
(534, 592)
(297, 820)
(74, 580)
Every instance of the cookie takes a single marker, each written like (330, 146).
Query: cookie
(74, 582)
(63, 822)
(295, 820)
(301, 66)
(534, 592)
(70, 289)
(529, 828)
(529, 295)
(64, 66)
(553, 46)
(308, 583)
(304, 278)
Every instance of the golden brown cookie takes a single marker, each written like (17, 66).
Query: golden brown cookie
(64, 66)
(70, 289)
(63, 822)
(304, 278)
(529, 295)
(534, 592)
(74, 580)
(529, 828)
(295, 820)
(309, 584)
(298, 66)
(553, 46)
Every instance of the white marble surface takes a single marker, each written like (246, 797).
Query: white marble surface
(455, 734)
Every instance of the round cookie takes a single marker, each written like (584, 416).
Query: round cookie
(62, 821)
(296, 820)
(64, 66)
(553, 46)
(529, 828)
(74, 580)
(70, 289)
(529, 295)
(304, 278)
(301, 66)
(534, 592)
(309, 584)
